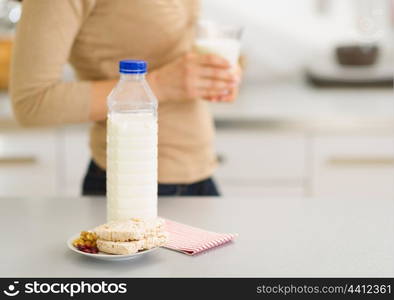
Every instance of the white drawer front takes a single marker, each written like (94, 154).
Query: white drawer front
(359, 166)
(245, 192)
(256, 157)
(28, 163)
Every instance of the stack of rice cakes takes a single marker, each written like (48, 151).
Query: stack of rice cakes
(130, 236)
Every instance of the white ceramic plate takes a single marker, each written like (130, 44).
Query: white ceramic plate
(106, 256)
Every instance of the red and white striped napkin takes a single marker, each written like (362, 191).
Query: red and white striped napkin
(191, 240)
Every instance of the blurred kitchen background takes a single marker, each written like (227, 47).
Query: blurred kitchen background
(315, 115)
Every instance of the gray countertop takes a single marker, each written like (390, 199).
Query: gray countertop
(292, 105)
(296, 105)
(277, 237)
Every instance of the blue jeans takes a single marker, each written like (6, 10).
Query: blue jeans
(94, 184)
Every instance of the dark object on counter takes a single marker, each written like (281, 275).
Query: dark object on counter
(357, 55)
(324, 82)
(325, 72)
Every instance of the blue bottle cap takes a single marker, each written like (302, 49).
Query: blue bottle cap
(130, 66)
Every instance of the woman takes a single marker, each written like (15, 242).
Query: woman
(93, 35)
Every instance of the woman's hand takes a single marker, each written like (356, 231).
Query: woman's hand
(233, 93)
(195, 76)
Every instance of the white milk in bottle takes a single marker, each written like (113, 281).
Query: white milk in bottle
(132, 146)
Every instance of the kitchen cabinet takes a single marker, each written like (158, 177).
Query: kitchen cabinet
(269, 164)
(260, 162)
(246, 191)
(353, 165)
(75, 153)
(28, 162)
(253, 163)
(43, 162)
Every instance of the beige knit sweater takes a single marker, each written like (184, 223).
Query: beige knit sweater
(93, 35)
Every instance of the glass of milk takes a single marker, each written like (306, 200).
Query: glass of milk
(222, 40)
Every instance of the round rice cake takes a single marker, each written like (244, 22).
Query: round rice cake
(129, 230)
(155, 241)
(120, 247)
(134, 246)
